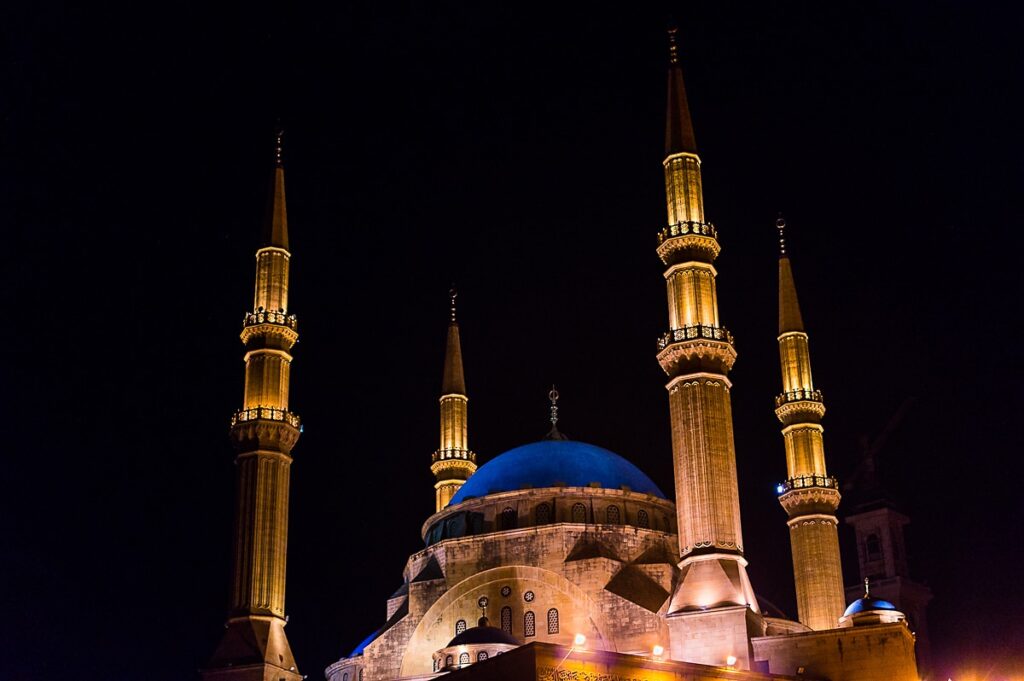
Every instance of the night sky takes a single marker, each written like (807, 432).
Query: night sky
(516, 151)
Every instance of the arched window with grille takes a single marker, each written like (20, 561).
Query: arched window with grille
(543, 514)
(360, 675)
(579, 513)
(529, 624)
(481, 656)
(553, 621)
(642, 519)
(460, 627)
(611, 515)
(463, 659)
(506, 619)
(449, 661)
(508, 518)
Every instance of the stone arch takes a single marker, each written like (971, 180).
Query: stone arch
(433, 631)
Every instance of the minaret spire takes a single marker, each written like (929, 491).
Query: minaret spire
(810, 495)
(254, 646)
(697, 354)
(453, 462)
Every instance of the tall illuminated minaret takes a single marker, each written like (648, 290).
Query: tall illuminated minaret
(713, 611)
(453, 462)
(254, 646)
(810, 495)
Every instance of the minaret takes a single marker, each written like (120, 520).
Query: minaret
(810, 495)
(713, 611)
(453, 462)
(254, 646)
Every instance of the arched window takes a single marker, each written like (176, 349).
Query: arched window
(874, 547)
(481, 656)
(611, 515)
(642, 519)
(463, 659)
(543, 514)
(435, 663)
(508, 519)
(552, 621)
(344, 677)
(506, 619)
(529, 624)
(579, 513)
(449, 661)
(360, 675)
(460, 627)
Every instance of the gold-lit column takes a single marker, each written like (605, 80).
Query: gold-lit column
(810, 496)
(697, 354)
(453, 462)
(254, 646)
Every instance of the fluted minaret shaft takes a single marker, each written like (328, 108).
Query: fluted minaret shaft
(453, 462)
(809, 496)
(697, 353)
(264, 431)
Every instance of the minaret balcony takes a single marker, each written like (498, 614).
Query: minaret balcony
(270, 323)
(807, 481)
(688, 241)
(798, 396)
(453, 455)
(266, 414)
(694, 332)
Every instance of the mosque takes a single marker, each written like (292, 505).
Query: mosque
(560, 559)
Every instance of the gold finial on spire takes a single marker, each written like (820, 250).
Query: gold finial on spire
(278, 146)
(673, 49)
(780, 224)
(452, 295)
(553, 396)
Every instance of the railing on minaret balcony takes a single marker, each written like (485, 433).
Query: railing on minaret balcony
(279, 317)
(807, 481)
(266, 414)
(446, 454)
(686, 228)
(798, 396)
(694, 331)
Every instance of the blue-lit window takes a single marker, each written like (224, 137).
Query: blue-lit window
(579, 513)
(642, 519)
(553, 621)
(612, 515)
(529, 624)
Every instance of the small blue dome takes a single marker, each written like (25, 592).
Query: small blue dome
(549, 463)
(358, 650)
(868, 603)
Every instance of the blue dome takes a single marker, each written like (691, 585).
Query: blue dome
(549, 463)
(868, 603)
(358, 650)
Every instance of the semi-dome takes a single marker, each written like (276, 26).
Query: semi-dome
(553, 463)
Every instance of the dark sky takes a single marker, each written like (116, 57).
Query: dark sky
(516, 151)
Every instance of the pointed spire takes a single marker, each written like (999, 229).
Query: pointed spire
(275, 229)
(790, 318)
(678, 126)
(867, 587)
(454, 381)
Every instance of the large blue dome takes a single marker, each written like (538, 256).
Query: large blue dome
(550, 463)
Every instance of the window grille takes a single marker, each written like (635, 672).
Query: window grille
(543, 514)
(612, 515)
(552, 621)
(463, 659)
(642, 519)
(481, 656)
(460, 627)
(506, 619)
(579, 513)
(529, 624)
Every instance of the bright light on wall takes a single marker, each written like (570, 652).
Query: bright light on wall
(731, 661)
(658, 651)
(579, 641)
